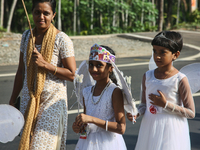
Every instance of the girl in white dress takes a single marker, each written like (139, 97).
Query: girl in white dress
(166, 99)
(103, 106)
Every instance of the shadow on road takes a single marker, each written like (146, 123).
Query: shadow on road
(194, 137)
(197, 117)
(130, 141)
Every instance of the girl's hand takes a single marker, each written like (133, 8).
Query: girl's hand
(37, 58)
(12, 102)
(130, 116)
(82, 119)
(158, 100)
(75, 128)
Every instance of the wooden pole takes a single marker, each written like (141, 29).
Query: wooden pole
(28, 23)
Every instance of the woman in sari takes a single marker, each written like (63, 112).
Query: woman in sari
(42, 74)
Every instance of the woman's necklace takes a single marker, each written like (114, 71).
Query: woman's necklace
(101, 93)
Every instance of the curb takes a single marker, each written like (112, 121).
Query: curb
(92, 36)
(149, 39)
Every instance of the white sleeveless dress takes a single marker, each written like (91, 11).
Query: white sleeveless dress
(162, 130)
(99, 138)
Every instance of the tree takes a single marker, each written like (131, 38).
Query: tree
(92, 15)
(59, 15)
(114, 14)
(184, 10)
(169, 10)
(178, 8)
(142, 13)
(78, 17)
(153, 3)
(160, 17)
(122, 13)
(11, 15)
(74, 26)
(129, 3)
(2, 12)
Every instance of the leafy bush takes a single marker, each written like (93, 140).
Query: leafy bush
(195, 16)
(2, 29)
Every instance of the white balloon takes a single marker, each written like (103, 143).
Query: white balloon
(11, 122)
(152, 64)
(192, 71)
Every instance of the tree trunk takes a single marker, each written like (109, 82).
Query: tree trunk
(74, 17)
(126, 19)
(154, 22)
(131, 20)
(122, 14)
(185, 5)
(183, 12)
(160, 17)
(92, 15)
(114, 15)
(100, 19)
(169, 10)
(78, 17)
(109, 18)
(142, 13)
(177, 19)
(149, 15)
(11, 15)
(2, 12)
(117, 14)
(59, 16)
(126, 15)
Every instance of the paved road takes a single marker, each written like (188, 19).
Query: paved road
(136, 71)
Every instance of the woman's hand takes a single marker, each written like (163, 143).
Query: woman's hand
(130, 116)
(158, 100)
(38, 59)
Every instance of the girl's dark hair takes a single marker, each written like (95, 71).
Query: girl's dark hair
(51, 2)
(169, 39)
(111, 76)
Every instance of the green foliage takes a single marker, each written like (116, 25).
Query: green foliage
(187, 26)
(128, 16)
(131, 16)
(2, 29)
(195, 16)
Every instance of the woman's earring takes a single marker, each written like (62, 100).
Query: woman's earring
(52, 21)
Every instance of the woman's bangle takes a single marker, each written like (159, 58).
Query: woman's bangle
(55, 71)
(106, 125)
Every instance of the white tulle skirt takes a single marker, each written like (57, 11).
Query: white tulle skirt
(99, 139)
(163, 131)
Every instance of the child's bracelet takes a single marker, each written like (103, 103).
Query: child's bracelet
(166, 105)
(173, 108)
(106, 125)
(55, 70)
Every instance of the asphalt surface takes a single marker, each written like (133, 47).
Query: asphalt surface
(136, 71)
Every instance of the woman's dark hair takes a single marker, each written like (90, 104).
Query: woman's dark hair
(111, 76)
(51, 2)
(169, 39)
